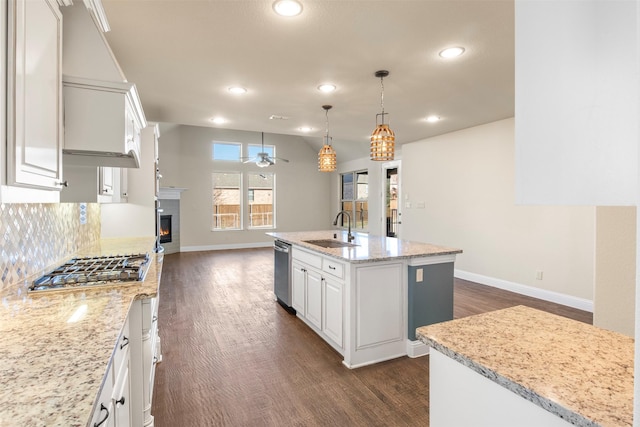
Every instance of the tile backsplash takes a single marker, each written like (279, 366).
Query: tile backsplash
(35, 236)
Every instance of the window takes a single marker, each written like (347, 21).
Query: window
(254, 149)
(354, 198)
(227, 209)
(228, 203)
(260, 198)
(229, 151)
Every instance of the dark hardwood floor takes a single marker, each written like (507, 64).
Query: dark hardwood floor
(233, 357)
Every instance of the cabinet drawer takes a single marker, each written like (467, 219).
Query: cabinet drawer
(307, 258)
(122, 349)
(333, 267)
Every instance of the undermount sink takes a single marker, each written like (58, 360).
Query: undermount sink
(330, 243)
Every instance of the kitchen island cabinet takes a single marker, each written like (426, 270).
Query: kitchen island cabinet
(59, 367)
(521, 366)
(356, 297)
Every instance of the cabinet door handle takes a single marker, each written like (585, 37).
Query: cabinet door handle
(102, 421)
(331, 267)
(125, 342)
(120, 401)
(63, 183)
(154, 319)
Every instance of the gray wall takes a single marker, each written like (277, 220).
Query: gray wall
(302, 193)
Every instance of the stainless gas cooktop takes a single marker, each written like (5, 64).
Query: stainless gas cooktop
(94, 271)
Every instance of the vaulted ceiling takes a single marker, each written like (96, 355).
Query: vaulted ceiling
(184, 55)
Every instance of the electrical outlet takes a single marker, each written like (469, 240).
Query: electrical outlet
(83, 213)
(419, 277)
(539, 275)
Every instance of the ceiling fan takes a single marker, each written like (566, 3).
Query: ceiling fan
(263, 159)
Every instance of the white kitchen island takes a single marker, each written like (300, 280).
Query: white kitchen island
(357, 297)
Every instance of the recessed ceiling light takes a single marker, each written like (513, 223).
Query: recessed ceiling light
(327, 87)
(237, 90)
(451, 52)
(432, 119)
(305, 129)
(219, 120)
(287, 7)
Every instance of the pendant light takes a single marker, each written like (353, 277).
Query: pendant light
(383, 140)
(327, 155)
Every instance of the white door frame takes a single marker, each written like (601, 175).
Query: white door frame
(395, 164)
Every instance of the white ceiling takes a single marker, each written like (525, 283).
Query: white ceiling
(183, 55)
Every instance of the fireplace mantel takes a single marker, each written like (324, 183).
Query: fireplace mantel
(170, 193)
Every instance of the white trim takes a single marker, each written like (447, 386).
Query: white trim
(438, 259)
(568, 300)
(223, 247)
(417, 348)
(170, 193)
(98, 14)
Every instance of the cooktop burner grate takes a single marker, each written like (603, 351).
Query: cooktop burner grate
(93, 271)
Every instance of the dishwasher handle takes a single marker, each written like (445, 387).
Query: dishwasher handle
(279, 248)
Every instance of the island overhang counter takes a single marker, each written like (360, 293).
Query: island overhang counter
(366, 299)
(525, 367)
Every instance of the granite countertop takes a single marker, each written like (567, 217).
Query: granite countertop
(577, 371)
(52, 369)
(369, 248)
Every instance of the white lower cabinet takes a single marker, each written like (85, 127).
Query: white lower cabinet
(332, 303)
(314, 298)
(298, 278)
(112, 406)
(318, 296)
(126, 395)
(145, 353)
(122, 399)
(103, 410)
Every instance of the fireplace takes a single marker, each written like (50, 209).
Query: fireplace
(165, 228)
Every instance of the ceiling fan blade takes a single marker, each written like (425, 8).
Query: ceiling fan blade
(252, 160)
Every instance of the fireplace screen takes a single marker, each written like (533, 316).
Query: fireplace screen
(165, 228)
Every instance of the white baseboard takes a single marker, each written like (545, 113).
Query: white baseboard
(223, 247)
(568, 300)
(417, 348)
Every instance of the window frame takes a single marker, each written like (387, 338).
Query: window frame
(354, 200)
(250, 189)
(227, 143)
(240, 201)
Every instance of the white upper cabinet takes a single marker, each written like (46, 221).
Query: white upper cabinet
(577, 102)
(34, 95)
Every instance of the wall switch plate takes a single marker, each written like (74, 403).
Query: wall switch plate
(407, 205)
(419, 276)
(538, 275)
(420, 205)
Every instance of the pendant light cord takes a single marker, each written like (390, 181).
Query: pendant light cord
(382, 97)
(326, 113)
(326, 136)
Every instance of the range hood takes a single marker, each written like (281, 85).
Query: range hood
(102, 123)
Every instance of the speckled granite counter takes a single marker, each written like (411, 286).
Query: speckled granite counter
(370, 248)
(51, 370)
(576, 371)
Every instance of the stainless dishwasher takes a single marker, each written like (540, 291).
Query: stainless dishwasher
(282, 274)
